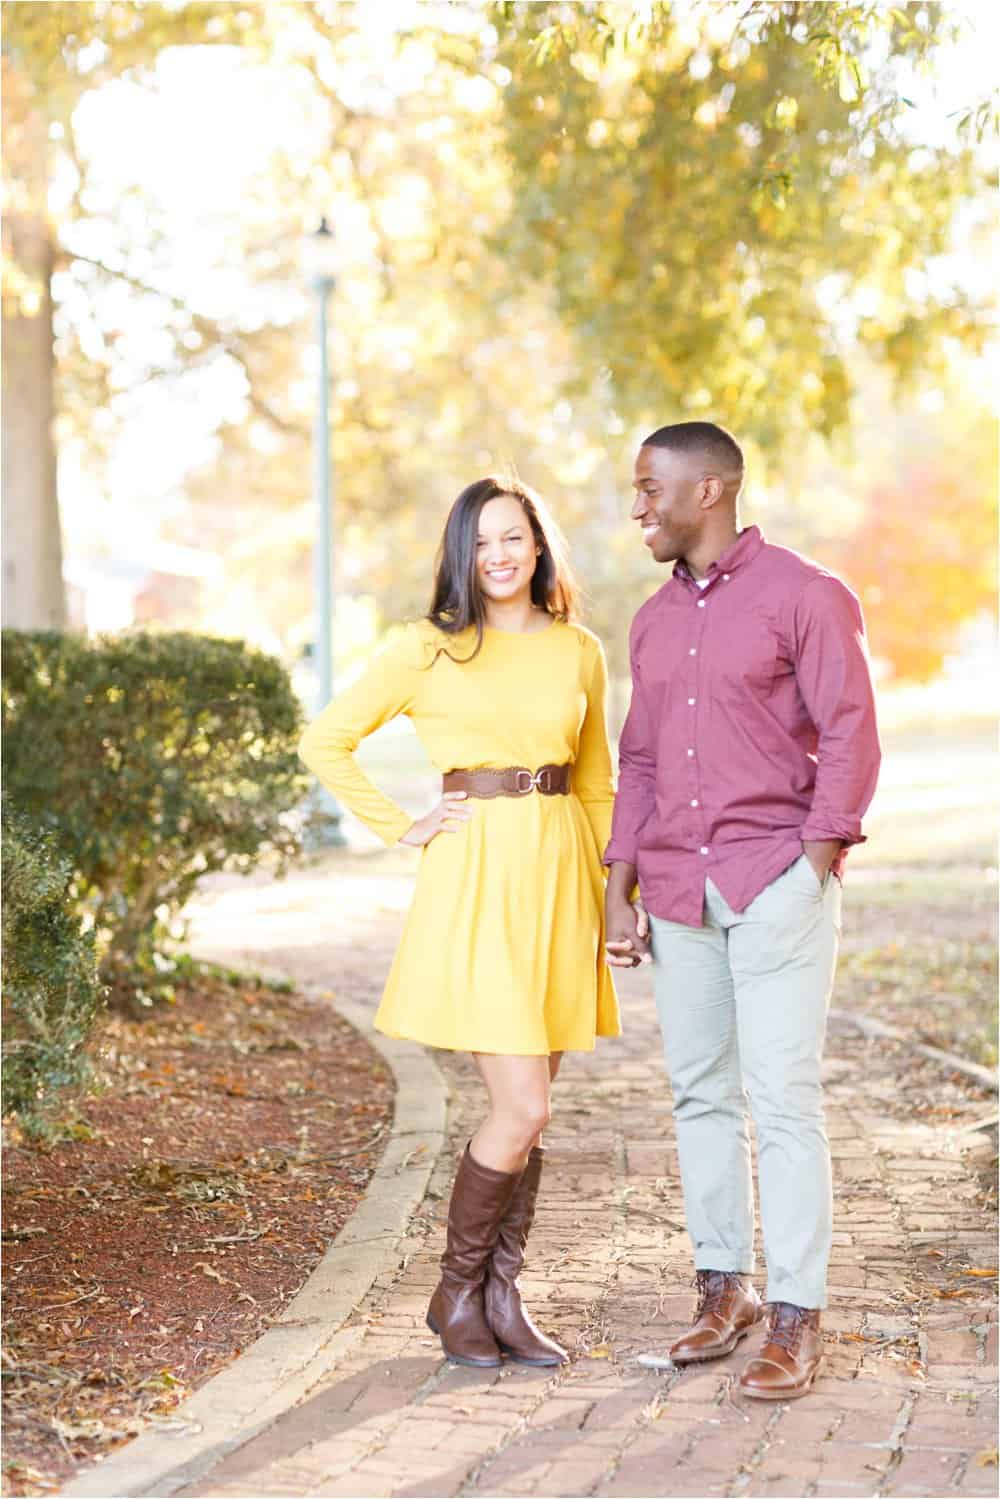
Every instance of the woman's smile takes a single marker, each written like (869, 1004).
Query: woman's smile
(506, 550)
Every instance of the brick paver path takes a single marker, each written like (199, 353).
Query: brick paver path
(905, 1401)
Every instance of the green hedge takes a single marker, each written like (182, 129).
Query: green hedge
(51, 993)
(153, 759)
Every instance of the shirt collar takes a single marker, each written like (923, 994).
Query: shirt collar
(743, 550)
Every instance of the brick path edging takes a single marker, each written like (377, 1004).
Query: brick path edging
(307, 1341)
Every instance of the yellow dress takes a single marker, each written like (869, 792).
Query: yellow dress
(503, 949)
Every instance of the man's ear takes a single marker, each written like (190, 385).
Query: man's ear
(712, 490)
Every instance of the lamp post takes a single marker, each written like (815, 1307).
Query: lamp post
(319, 264)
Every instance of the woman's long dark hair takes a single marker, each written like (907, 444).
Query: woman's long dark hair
(458, 600)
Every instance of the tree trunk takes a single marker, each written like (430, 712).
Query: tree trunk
(33, 594)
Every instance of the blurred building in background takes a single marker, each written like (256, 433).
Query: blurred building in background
(163, 585)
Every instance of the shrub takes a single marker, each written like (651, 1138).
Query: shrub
(154, 759)
(51, 993)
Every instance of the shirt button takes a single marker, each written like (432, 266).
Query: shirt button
(692, 652)
(725, 577)
(703, 850)
(701, 603)
(694, 803)
(690, 702)
(690, 751)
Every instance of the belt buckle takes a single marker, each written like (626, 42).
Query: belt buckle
(543, 780)
(523, 790)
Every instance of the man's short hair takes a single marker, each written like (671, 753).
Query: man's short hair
(717, 445)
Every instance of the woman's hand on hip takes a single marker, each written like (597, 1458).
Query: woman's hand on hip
(447, 817)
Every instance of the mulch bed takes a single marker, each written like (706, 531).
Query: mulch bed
(179, 1211)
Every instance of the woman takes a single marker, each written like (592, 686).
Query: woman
(502, 954)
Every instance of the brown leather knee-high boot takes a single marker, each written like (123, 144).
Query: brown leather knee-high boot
(510, 1324)
(479, 1200)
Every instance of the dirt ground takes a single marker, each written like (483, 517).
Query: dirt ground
(181, 1209)
(919, 953)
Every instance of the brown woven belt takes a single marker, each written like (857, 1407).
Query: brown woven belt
(514, 780)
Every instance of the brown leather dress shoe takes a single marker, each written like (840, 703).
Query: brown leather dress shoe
(479, 1200)
(786, 1366)
(728, 1306)
(508, 1320)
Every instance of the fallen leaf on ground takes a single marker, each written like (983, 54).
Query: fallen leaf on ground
(211, 1271)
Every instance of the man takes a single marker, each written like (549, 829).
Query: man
(748, 758)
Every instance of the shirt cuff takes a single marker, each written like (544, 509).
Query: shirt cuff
(820, 828)
(617, 853)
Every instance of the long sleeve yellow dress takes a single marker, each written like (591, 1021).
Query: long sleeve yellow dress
(503, 948)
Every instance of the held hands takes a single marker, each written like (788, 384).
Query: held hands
(627, 941)
(447, 817)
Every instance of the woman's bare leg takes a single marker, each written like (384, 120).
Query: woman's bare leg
(555, 1058)
(518, 1089)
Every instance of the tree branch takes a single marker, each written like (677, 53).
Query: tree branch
(230, 343)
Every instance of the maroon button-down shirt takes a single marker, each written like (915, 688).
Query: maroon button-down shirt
(751, 729)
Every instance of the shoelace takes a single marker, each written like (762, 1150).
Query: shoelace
(788, 1332)
(711, 1298)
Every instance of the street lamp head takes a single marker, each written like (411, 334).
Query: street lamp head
(319, 256)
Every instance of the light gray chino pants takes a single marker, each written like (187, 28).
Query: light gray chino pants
(742, 1002)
